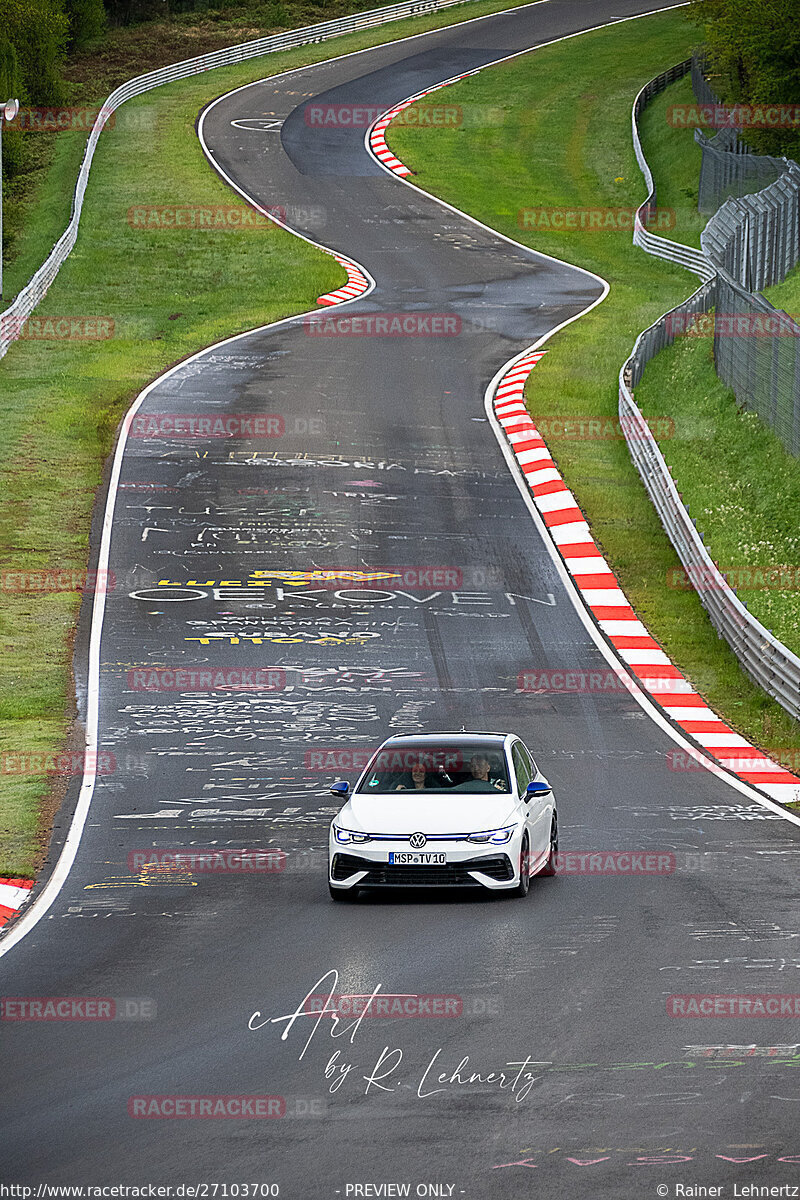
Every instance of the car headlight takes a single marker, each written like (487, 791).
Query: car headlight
(346, 836)
(496, 836)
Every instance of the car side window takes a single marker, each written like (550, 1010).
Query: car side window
(522, 768)
(534, 770)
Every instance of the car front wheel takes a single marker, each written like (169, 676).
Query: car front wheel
(551, 864)
(524, 884)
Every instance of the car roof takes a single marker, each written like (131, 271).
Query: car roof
(463, 735)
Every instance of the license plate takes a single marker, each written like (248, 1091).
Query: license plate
(407, 858)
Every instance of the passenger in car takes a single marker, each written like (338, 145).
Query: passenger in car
(417, 780)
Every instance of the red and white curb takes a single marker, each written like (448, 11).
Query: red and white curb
(13, 894)
(603, 596)
(377, 134)
(357, 283)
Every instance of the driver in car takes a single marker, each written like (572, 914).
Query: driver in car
(479, 765)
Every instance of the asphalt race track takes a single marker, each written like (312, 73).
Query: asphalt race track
(381, 459)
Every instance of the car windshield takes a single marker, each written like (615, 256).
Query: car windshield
(438, 767)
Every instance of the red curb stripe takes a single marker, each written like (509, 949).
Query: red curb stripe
(712, 725)
(670, 700)
(632, 642)
(508, 400)
(544, 489)
(766, 777)
(594, 582)
(562, 516)
(355, 286)
(581, 550)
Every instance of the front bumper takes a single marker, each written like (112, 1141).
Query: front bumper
(492, 867)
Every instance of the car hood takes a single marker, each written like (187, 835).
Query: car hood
(468, 812)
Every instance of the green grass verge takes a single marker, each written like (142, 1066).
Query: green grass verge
(565, 142)
(168, 294)
(37, 204)
(738, 482)
(786, 295)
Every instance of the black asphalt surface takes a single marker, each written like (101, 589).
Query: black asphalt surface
(386, 462)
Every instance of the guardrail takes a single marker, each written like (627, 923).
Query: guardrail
(766, 660)
(11, 321)
(661, 247)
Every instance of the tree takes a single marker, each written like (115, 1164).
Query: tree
(37, 30)
(87, 20)
(9, 70)
(754, 56)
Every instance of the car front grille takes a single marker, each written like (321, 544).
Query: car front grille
(497, 867)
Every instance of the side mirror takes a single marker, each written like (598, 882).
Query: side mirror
(340, 788)
(537, 789)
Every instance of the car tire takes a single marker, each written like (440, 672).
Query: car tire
(347, 894)
(550, 865)
(523, 887)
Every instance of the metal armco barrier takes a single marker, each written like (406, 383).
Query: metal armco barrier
(661, 247)
(11, 321)
(768, 662)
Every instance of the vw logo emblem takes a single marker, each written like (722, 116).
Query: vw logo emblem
(418, 840)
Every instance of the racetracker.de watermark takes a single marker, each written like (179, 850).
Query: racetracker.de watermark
(44, 581)
(78, 119)
(338, 758)
(577, 681)
(396, 324)
(207, 1107)
(738, 116)
(585, 428)
(205, 425)
(758, 1004)
(399, 1005)
(77, 1008)
(695, 760)
(69, 763)
(206, 679)
(199, 426)
(738, 325)
(209, 218)
(614, 862)
(210, 862)
(780, 577)
(56, 328)
(593, 220)
(361, 116)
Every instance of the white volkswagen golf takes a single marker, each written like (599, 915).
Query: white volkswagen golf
(444, 810)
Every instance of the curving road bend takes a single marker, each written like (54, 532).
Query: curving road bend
(384, 461)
